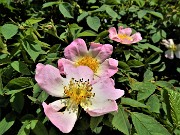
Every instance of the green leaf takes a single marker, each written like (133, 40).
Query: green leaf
(43, 96)
(25, 129)
(3, 47)
(154, 104)
(132, 102)
(48, 4)
(161, 67)
(20, 83)
(135, 63)
(17, 102)
(91, 1)
(157, 49)
(111, 12)
(38, 128)
(9, 30)
(156, 37)
(163, 34)
(93, 22)
(164, 84)
(127, 54)
(148, 75)
(141, 13)
(141, 3)
(33, 49)
(153, 59)
(94, 122)
(82, 16)
(20, 67)
(32, 21)
(146, 125)
(87, 33)
(174, 98)
(145, 89)
(120, 121)
(178, 69)
(124, 66)
(66, 9)
(157, 14)
(112, 2)
(6, 123)
(74, 30)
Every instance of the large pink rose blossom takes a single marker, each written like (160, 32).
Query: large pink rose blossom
(173, 49)
(78, 88)
(124, 35)
(97, 58)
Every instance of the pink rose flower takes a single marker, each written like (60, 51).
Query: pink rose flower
(77, 88)
(124, 35)
(97, 58)
(172, 49)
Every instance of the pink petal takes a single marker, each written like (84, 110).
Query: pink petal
(113, 34)
(126, 31)
(64, 121)
(80, 72)
(177, 53)
(102, 52)
(108, 68)
(101, 108)
(104, 90)
(39, 67)
(76, 49)
(171, 42)
(169, 54)
(166, 43)
(126, 42)
(49, 79)
(63, 63)
(136, 37)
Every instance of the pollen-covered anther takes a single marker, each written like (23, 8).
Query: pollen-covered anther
(79, 92)
(173, 47)
(89, 61)
(125, 37)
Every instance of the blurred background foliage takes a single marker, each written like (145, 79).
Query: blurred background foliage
(37, 31)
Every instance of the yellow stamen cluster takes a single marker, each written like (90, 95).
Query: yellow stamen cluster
(89, 61)
(79, 93)
(124, 36)
(173, 47)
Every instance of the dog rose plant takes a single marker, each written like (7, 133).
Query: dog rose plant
(97, 58)
(173, 49)
(123, 35)
(78, 88)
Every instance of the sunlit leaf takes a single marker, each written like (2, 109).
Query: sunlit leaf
(174, 98)
(66, 9)
(93, 22)
(120, 121)
(132, 102)
(7, 122)
(9, 30)
(146, 125)
(20, 67)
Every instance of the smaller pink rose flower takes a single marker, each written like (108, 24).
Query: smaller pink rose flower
(173, 49)
(78, 88)
(97, 58)
(124, 35)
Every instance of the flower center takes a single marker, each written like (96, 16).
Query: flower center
(125, 37)
(92, 63)
(79, 92)
(173, 47)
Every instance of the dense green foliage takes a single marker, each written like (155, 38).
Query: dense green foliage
(37, 31)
